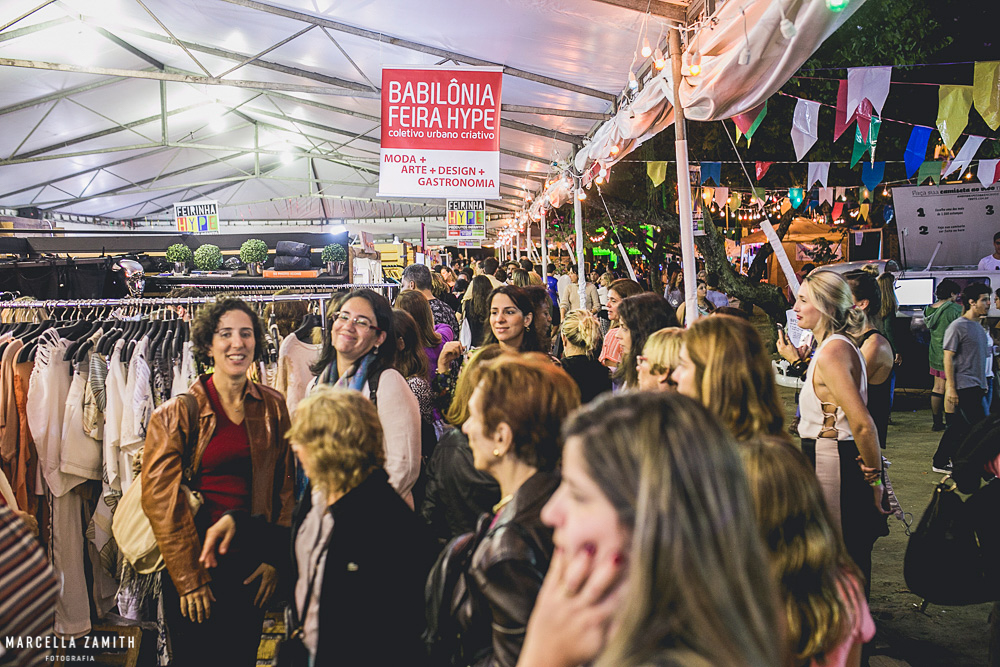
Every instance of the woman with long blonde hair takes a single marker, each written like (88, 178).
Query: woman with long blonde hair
(724, 365)
(658, 562)
(826, 616)
(838, 434)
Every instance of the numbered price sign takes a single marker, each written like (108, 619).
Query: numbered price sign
(200, 217)
(467, 219)
(962, 218)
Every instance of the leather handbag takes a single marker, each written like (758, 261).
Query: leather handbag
(130, 526)
(944, 561)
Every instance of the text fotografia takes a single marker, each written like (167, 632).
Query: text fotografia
(95, 642)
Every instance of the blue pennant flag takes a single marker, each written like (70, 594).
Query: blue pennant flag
(871, 174)
(711, 170)
(916, 149)
(796, 195)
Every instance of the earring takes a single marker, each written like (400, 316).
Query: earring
(375, 350)
(496, 453)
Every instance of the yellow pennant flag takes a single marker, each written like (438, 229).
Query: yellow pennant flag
(735, 201)
(986, 92)
(864, 210)
(786, 205)
(954, 103)
(657, 172)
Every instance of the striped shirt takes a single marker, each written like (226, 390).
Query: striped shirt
(612, 349)
(28, 591)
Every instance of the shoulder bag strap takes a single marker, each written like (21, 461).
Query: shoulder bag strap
(193, 428)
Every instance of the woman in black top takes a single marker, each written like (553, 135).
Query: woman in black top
(476, 310)
(581, 339)
(876, 350)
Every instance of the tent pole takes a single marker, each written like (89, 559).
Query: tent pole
(581, 282)
(683, 186)
(545, 249)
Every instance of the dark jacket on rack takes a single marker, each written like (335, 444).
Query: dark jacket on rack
(372, 599)
(507, 570)
(457, 494)
(166, 466)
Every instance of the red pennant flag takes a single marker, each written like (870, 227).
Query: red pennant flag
(838, 209)
(744, 121)
(841, 121)
(762, 168)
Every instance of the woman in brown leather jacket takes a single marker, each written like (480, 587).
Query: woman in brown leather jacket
(515, 416)
(242, 463)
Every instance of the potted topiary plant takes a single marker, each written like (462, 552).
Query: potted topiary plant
(253, 252)
(334, 256)
(180, 256)
(208, 257)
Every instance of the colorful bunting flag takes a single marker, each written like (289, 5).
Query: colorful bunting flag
(989, 172)
(986, 92)
(711, 170)
(818, 171)
(657, 172)
(838, 210)
(871, 83)
(759, 194)
(864, 115)
(864, 210)
(721, 195)
(786, 205)
(762, 168)
(796, 195)
(916, 149)
(860, 146)
(872, 174)
(964, 156)
(735, 201)
(841, 119)
(954, 103)
(841, 193)
(825, 195)
(929, 169)
(805, 126)
(863, 145)
(748, 122)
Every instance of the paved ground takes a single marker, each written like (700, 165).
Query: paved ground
(907, 636)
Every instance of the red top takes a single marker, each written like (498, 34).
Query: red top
(224, 477)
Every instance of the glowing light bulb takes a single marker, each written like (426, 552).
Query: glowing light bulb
(603, 171)
(615, 149)
(581, 195)
(968, 175)
(837, 6)
(599, 180)
(695, 68)
(646, 49)
(633, 82)
(659, 62)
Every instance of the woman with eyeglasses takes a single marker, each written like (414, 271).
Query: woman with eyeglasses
(360, 353)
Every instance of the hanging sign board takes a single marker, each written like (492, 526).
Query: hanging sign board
(197, 217)
(470, 243)
(440, 132)
(961, 219)
(467, 219)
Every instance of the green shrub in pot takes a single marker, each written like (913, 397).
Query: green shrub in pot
(253, 250)
(334, 253)
(179, 252)
(208, 257)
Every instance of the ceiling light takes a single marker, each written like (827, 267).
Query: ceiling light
(615, 149)
(633, 82)
(646, 49)
(659, 62)
(581, 195)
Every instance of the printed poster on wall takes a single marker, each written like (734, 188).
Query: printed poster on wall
(957, 222)
(197, 217)
(466, 219)
(440, 132)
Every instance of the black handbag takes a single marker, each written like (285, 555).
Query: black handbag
(290, 651)
(945, 563)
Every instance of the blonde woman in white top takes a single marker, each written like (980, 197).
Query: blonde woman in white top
(838, 434)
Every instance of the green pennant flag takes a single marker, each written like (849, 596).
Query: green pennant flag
(873, 137)
(756, 123)
(759, 193)
(657, 172)
(929, 169)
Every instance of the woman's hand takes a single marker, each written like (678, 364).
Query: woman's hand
(268, 583)
(222, 533)
(574, 610)
(449, 352)
(196, 606)
(789, 352)
(871, 474)
(30, 521)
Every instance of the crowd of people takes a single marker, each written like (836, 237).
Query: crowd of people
(489, 472)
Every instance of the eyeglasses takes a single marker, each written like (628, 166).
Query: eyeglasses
(361, 323)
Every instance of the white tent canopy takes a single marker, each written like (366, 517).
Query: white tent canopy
(120, 108)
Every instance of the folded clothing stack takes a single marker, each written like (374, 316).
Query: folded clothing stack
(292, 256)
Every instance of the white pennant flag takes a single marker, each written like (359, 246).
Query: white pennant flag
(841, 192)
(988, 172)
(826, 195)
(964, 156)
(805, 126)
(721, 195)
(867, 82)
(818, 171)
